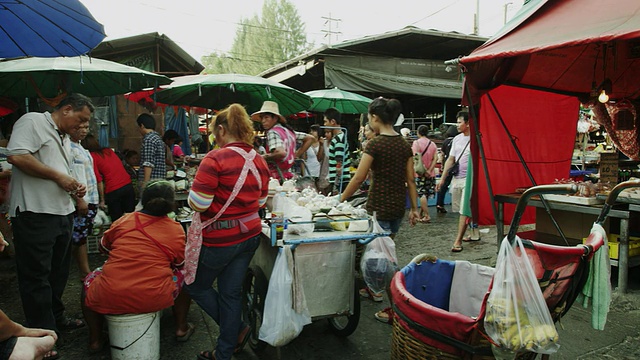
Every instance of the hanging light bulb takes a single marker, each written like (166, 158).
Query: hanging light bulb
(603, 97)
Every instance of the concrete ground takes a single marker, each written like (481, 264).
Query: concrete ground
(372, 339)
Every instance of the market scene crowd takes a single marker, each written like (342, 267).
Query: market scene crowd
(180, 223)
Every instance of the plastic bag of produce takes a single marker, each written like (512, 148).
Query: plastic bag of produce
(281, 322)
(379, 261)
(517, 317)
(295, 215)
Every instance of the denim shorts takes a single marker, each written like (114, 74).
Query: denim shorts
(391, 225)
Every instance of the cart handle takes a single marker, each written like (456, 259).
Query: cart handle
(536, 190)
(613, 195)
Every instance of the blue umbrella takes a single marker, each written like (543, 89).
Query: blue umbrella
(47, 28)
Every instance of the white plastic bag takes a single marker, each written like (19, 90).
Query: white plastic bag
(296, 214)
(281, 323)
(517, 317)
(379, 261)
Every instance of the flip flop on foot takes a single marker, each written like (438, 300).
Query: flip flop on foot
(243, 338)
(385, 315)
(207, 355)
(70, 324)
(456, 248)
(190, 330)
(366, 293)
(470, 239)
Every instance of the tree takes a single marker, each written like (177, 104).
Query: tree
(262, 42)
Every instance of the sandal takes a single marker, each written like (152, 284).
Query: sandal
(243, 337)
(456, 248)
(470, 239)
(100, 348)
(70, 324)
(367, 293)
(424, 220)
(441, 209)
(385, 315)
(190, 330)
(207, 355)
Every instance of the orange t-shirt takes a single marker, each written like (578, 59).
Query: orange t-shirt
(137, 278)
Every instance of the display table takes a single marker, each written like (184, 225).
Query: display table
(622, 214)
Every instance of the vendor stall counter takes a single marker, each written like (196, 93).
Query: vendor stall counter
(623, 261)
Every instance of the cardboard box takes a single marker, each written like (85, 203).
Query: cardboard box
(574, 225)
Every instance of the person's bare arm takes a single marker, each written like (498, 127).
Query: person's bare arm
(10, 328)
(32, 166)
(359, 177)
(447, 165)
(414, 214)
(308, 140)
(275, 155)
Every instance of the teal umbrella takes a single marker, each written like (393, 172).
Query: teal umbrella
(346, 102)
(50, 77)
(216, 91)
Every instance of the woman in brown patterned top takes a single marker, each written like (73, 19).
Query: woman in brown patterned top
(389, 157)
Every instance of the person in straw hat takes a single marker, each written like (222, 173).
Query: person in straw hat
(281, 141)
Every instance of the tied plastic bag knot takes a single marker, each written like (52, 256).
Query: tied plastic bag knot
(517, 317)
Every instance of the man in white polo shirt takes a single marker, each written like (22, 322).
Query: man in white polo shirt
(42, 205)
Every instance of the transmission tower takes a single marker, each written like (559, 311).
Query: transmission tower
(331, 30)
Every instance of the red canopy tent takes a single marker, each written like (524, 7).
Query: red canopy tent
(528, 79)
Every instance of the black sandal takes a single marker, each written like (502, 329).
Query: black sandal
(207, 355)
(441, 209)
(70, 324)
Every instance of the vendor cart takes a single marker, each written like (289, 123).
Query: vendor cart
(424, 328)
(325, 262)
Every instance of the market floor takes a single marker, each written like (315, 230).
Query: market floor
(372, 339)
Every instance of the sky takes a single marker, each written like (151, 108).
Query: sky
(201, 27)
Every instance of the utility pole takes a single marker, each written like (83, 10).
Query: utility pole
(476, 19)
(328, 23)
(506, 9)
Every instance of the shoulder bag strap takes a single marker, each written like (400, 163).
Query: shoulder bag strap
(140, 227)
(465, 148)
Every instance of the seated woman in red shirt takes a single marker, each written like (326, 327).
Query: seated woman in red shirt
(229, 188)
(148, 240)
(114, 184)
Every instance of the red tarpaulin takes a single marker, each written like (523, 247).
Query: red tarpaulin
(567, 46)
(543, 126)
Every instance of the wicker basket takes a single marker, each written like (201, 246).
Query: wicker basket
(405, 346)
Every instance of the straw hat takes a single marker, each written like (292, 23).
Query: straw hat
(268, 107)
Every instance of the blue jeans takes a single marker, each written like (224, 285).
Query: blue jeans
(228, 265)
(391, 225)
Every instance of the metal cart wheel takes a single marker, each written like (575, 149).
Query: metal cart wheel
(345, 325)
(254, 292)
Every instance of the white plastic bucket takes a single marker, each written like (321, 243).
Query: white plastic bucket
(134, 336)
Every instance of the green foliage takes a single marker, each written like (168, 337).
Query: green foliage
(262, 42)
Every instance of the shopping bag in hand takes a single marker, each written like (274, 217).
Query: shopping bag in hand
(379, 261)
(517, 317)
(281, 323)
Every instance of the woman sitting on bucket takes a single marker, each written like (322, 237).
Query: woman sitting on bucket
(138, 278)
(281, 141)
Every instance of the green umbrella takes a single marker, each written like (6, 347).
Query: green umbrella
(346, 102)
(49, 77)
(216, 91)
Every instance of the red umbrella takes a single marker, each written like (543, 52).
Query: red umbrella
(145, 98)
(7, 106)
